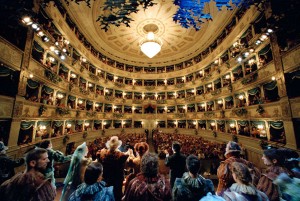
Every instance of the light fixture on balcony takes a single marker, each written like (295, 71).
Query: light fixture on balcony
(151, 44)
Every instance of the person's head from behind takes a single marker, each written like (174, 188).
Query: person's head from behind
(193, 164)
(241, 173)
(273, 157)
(176, 146)
(141, 148)
(93, 173)
(149, 165)
(37, 159)
(46, 144)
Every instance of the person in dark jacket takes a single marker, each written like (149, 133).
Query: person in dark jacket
(192, 186)
(7, 165)
(176, 162)
(93, 188)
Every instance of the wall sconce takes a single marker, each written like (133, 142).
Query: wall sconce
(40, 34)
(227, 77)
(52, 48)
(99, 71)
(216, 61)
(273, 78)
(241, 97)
(27, 20)
(42, 127)
(246, 54)
(165, 108)
(80, 101)
(73, 75)
(263, 37)
(209, 86)
(213, 124)
(203, 105)
(239, 59)
(30, 75)
(156, 95)
(156, 122)
(251, 50)
(200, 72)
(251, 61)
(86, 124)
(194, 122)
(104, 123)
(133, 81)
(260, 127)
(96, 105)
(69, 125)
(220, 102)
(231, 125)
(90, 85)
(60, 96)
(184, 107)
(270, 30)
(142, 122)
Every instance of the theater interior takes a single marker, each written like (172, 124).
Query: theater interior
(80, 70)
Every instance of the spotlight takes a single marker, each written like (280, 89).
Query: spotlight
(270, 30)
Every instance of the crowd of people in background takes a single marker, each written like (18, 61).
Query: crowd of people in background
(96, 172)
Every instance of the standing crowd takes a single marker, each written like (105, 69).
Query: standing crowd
(103, 179)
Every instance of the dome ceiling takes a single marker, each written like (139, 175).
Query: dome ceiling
(122, 43)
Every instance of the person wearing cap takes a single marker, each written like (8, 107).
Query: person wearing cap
(224, 173)
(7, 165)
(113, 161)
(274, 159)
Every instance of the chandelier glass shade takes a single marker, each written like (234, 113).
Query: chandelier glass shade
(151, 45)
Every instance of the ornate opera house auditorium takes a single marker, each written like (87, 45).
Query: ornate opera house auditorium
(75, 71)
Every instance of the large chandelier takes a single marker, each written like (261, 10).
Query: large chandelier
(150, 45)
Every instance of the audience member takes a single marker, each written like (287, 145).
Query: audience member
(53, 155)
(93, 188)
(7, 165)
(32, 184)
(176, 162)
(274, 160)
(75, 175)
(232, 154)
(242, 189)
(148, 184)
(113, 165)
(192, 186)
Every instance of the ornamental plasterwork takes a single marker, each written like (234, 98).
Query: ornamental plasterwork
(180, 85)
(190, 98)
(149, 88)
